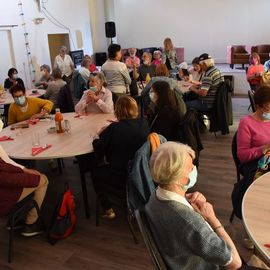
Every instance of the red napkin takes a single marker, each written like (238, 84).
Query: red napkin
(32, 121)
(37, 150)
(6, 138)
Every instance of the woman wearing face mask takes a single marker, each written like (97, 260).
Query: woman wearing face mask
(97, 99)
(253, 135)
(25, 108)
(13, 79)
(255, 71)
(163, 115)
(184, 225)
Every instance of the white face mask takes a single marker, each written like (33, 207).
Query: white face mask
(152, 97)
(1, 125)
(192, 179)
(266, 116)
(15, 76)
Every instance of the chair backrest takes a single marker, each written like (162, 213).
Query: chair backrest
(64, 100)
(235, 157)
(251, 99)
(148, 240)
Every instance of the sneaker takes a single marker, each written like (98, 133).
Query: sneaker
(109, 214)
(31, 230)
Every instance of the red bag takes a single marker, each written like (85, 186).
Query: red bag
(64, 218)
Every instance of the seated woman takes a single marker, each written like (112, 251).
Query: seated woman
(255, 71)
(164, 117)
(45, 78)
(13, 79)
(253, 135)
(118, 143)
(97, 99)
(170, 56)
(145, 68)
(157, 58)
(162, 74)
(92, 67)
(16, 183)
(196, 72)
(183, 73)
(25, 108)
(54, 86)
(84, 70)
(184, 225)
(116, 72)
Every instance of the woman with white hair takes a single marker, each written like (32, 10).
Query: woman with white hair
(64, 62)
(97, 99)
(185, 227)
(206, 92)
(132, 59)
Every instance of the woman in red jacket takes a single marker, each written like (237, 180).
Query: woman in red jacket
(16, 183)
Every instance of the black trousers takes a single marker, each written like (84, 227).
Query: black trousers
(107, 183)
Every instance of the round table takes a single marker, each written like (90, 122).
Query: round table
(7, 98)
(256, 214)
(78, 142)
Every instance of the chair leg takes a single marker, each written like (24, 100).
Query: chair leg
(131, 227)
(10, 240)
(59, 164)
(85, 196)
(231, 66)
(232, 216)
(97, 211)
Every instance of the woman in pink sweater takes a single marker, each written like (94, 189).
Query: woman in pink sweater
(253, 135)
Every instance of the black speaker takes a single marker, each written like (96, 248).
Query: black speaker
(110, 29)
(100, 58)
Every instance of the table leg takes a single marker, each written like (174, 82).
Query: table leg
(85, 195)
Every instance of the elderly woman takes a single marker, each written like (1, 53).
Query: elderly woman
(64, 62)
(253, 135)
(97, 99)
(185, 227)
(84, 70)
(132, 59)
(45, 78)
(25, 108)
(116, 72)
(157, 55)
(118, 143)
(255, 71)
(170, 56)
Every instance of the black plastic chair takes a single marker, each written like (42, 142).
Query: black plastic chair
(251, 99)
(16, 214)
(237, 165)
(148, 240)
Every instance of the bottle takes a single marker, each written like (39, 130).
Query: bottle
(1, 89)
(58, 121)
(147, 78)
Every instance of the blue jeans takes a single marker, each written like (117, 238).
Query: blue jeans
(198, 105)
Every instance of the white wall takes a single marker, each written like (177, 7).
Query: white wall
(73, 14)
(199, 26)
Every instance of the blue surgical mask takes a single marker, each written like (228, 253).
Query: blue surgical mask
(266, 116)
(20, 100)
(192, 179)
(93, 88)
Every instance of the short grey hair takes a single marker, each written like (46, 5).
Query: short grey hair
(148, 54)
(45, 67)
(101, 77)
(168, 163)
(208, 62)
(63, 47)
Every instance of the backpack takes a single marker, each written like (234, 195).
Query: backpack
(64, 218)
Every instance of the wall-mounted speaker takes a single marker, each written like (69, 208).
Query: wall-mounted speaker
(110, 29)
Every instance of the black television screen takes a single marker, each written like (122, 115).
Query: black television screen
(77, 57)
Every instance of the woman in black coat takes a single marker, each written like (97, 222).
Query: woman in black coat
(117, 143)
(163, 115)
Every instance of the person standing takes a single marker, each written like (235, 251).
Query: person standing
(64, 62)
(116, 72)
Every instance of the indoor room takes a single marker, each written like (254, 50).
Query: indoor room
(133, 134)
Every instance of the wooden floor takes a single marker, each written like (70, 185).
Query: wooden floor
(110, 246)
